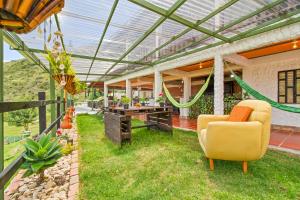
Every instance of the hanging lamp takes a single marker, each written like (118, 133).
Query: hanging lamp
(22, 16)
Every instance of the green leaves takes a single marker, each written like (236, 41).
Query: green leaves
(41, 154)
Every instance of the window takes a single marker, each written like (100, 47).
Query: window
(289, 86)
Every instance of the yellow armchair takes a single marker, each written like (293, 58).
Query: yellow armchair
(239, 141)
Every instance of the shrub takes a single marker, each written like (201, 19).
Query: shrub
(205, 105)
(67, 149)
(125, 100)
(22, 118)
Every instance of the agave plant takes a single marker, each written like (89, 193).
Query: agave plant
(41, 154)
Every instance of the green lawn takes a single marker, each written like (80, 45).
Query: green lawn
(159, 166)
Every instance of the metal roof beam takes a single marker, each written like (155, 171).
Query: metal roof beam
(20, 48)
(199, 22)
(112, 75)
(148, 32)
(112, 11)
(264, 27)
(177, 18)
(235, 22)
(15, 41)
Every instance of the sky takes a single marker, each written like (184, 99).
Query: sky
(10, 54)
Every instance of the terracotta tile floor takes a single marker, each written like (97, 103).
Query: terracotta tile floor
(279, 138)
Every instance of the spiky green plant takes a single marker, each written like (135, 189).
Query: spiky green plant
(41, 154)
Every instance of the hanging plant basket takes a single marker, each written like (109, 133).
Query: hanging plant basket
(70, 88)
(68, 79)
(22, 16)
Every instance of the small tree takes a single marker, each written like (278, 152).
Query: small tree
(22, 118)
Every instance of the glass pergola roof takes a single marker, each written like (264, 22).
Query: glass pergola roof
(109, 38)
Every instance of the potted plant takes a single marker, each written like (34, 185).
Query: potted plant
(125, 101)
(114, 101)
(143, 101)
(161, 100)
(61, 66)
(40, 155)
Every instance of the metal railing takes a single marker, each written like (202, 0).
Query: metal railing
(11, 169)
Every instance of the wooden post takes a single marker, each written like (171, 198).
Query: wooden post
(211, 164)
(58, 112)
(1, 114)
(52, 97)
(245, 166)
(42, 113)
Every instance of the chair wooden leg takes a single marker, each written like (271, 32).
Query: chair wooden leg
(211, 164)
(245, 166)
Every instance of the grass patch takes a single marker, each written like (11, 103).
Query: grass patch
(159, 166)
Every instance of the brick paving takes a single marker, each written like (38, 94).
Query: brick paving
(287, 139)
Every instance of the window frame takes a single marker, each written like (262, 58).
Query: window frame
(294, 87)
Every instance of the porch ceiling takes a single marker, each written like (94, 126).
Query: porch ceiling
(108, 38)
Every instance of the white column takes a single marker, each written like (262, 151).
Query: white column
(219, 85)
(157, 84)
(187, 87)
(105, 95)
(128, 88)
(219, 69)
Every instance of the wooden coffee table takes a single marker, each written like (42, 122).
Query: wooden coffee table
(117, 121)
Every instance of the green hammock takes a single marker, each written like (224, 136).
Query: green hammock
(194, 100)
(259, 96)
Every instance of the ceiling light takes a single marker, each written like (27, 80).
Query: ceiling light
(295, 45)
(200, 65)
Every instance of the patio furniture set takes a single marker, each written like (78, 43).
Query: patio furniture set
(241, 136)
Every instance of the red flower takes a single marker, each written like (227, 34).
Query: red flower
(59, 132)
(161, 94)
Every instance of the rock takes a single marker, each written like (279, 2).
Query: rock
(15, 196)
(32, 185)
(49, 190)
(62, 195)
(27, 193)
(27, 180)
(35, 195)
(23, 188)
(59, 180)
(50, 184)
(39, 188)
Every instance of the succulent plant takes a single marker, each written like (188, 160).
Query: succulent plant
(41, 154)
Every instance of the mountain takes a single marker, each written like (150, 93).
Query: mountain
(23, 80)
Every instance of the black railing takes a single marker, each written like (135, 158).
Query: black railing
(11, 169)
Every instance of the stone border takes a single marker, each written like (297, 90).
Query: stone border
(73, 190)
(74, 172)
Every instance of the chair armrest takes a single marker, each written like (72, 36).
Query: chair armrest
(241, 140)
(203, 120)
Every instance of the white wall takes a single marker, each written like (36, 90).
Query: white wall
(262, 76)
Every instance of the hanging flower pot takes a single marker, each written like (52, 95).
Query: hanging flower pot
(22, 16)
(66, 79)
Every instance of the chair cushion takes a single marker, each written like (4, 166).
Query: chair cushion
(240, 114)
